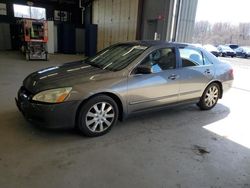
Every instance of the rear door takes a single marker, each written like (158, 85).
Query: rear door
(196, 71)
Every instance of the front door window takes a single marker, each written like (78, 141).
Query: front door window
(160, 60)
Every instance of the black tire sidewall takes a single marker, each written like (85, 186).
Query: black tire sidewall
(81, 124)
(202, 103)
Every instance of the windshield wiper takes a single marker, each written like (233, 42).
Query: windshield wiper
(93, 64)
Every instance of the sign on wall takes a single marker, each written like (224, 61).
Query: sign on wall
(60, 15)
(3, 9)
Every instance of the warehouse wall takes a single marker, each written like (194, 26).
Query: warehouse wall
(155, 18)
(75, 17)
(50, 7)
(5, 42)
(159, 16)
(116, 20)
(186, 20)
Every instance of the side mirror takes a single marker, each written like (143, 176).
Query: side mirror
(143, 69)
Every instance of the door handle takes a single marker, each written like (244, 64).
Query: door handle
(172, 77)
(207, 71)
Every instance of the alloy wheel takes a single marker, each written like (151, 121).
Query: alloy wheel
(211, 96)
(100, 117)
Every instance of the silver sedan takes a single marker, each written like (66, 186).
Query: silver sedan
(121, 80)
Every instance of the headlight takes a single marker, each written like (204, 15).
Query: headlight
(53, 95)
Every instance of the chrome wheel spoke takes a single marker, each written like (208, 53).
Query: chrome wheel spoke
(108, 123)
(96, 108)
(103, 106)
(108, 109)
(95, 126)
(110, 115)
(213, 101)
(89, 122)
(90, 114)
(101, 126)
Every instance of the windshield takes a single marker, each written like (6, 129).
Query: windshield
(226, 48)
(116, 57)
(233, 46)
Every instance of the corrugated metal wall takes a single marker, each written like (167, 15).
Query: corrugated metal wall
(186, 20)
(116, 20)
(154, 19)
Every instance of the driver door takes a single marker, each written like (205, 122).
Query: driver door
(157, 87)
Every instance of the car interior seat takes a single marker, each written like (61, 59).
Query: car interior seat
(155, 56)
(195, 58)
(168, 61)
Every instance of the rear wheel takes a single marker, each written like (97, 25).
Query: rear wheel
(97, 116)
(210, 97)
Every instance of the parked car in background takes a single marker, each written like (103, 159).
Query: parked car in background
(233, 46)
(212, 49)
(243, 51)
(121, 80)
(226, 51)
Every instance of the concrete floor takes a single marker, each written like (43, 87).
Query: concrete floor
(160, 149)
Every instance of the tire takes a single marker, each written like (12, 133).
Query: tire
(97, 116)
(210, 97)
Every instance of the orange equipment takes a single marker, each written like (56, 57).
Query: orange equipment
(35, 39)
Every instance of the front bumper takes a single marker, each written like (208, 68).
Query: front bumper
(232, 54)
(60, 115)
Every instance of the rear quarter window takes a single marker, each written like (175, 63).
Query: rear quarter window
(210, 58)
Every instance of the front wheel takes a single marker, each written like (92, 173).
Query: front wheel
(97, 116)
(209, 97)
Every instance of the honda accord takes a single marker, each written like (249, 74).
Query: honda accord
(121, 80)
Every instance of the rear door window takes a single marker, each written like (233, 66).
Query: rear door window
(191, 57)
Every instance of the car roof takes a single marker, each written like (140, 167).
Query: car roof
(151, 43)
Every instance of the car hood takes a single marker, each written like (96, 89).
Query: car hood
(247, 51)
(66, 75)
(228, 50)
